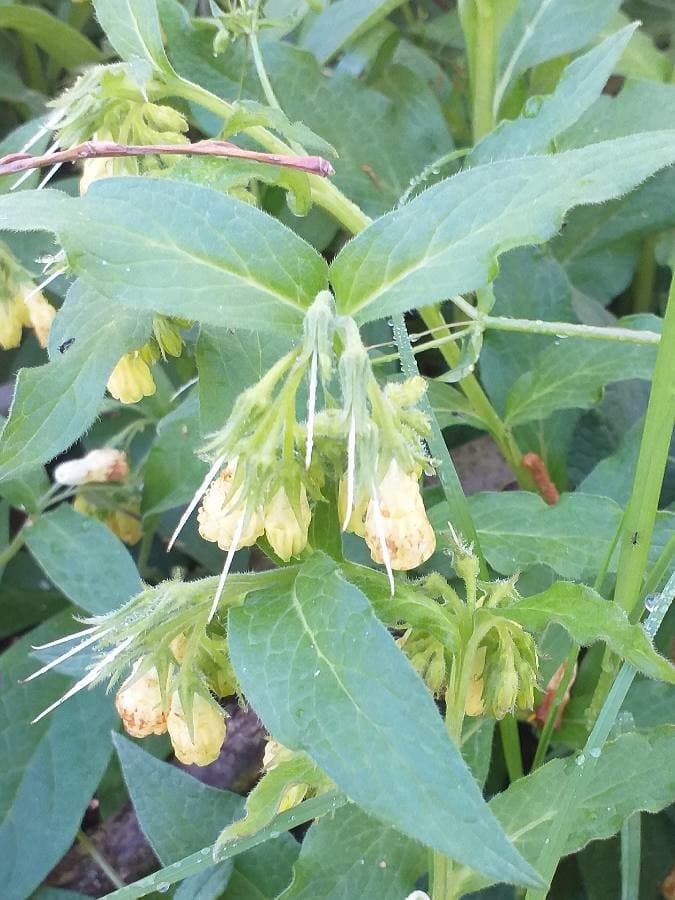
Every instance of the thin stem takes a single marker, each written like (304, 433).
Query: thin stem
(645, 277)
(484, 70)
(508, 731)
(433, 318)
(570, 329)
(100, 860)
(12, 548)
(631, 840)
(640, 514)
(21, 162)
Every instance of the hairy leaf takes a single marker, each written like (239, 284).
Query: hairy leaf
(84, 559)
(132, 27)
(447, 240)
(55, 403)
(588, 617)
(326, 678)
(350, 855)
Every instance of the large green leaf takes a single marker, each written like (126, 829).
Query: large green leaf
(179, 249)
(344, 21)
(63, 43)
(83, 559)
(180, 815)
(571, 375)
(132, 27)
(327, 678)
(50, 770)
(447, 240)
(545, 118)
(540, 30)
(633, 772)
(588, 617)
(55, 403)
(350, 855)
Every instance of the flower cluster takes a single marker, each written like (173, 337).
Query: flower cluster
(131, 379)
(365, 444)
(22, 305)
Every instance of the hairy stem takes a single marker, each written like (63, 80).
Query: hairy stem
(484, 70)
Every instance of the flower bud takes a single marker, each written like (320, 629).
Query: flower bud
(131, 379)
(40, 314)
(402, 518)
(126, 523)
(139, 705)
(105, 464)
(13, 316)
(287, 531)
(219, 516)
(208, 731)
(356, 524)
(168, 336)
(275, 753)
(177, 647)
(474, 704)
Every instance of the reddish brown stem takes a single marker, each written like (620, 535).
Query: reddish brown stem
(20, 162)
(536, 465)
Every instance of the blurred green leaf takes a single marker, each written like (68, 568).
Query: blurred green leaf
(59, 40)
(344, 21)
(132, 27)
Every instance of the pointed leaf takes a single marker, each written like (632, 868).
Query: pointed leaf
(343, 21)
(133, 28)
(327, 678)
(448, 239)
(588, 617)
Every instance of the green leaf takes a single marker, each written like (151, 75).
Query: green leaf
(350, 855)
(228, 363)
(83, 559)
(59, 40)
(344, 21)
(540, 30)
(451, 406)
(172, 471)
(634, 772)
(571, 375)
(50, 769)
(179, 249)
(249, 113)
(26, 490)
(588, 617)
(447, 240)
(518, 530)
(180, 815)
(55, 403)
(613, 476)
(132, 27)
(327, 678)
(544, 118)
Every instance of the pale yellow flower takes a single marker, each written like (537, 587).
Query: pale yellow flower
(208, 730)
(40, 314)
(139, 705)
(131, 379)
(220, 514)
(13, 317)
(398, 518)
(286, 532)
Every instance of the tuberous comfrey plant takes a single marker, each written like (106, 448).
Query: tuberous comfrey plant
(226, 350)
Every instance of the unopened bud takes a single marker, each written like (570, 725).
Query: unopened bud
(177, 647)
(105, 464)
(400, 522)
(220, 515)
(168, 336)
(285, 527)
(126, 524)
(131, 379)
(475, 704)
(502, 692)
(208, 731)
(275, 753)
(139, 705)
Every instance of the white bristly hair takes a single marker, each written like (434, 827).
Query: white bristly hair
(228, 564)
(351, 466)
(199, 493)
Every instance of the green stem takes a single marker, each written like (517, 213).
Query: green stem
(12, 548)
(484, 70)
(569, 329)
(100, 860)
(645, 276)
(433, 318)
(640, 515)
(324, 192)
(631, 840)
(508, 731)
(660, 567)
